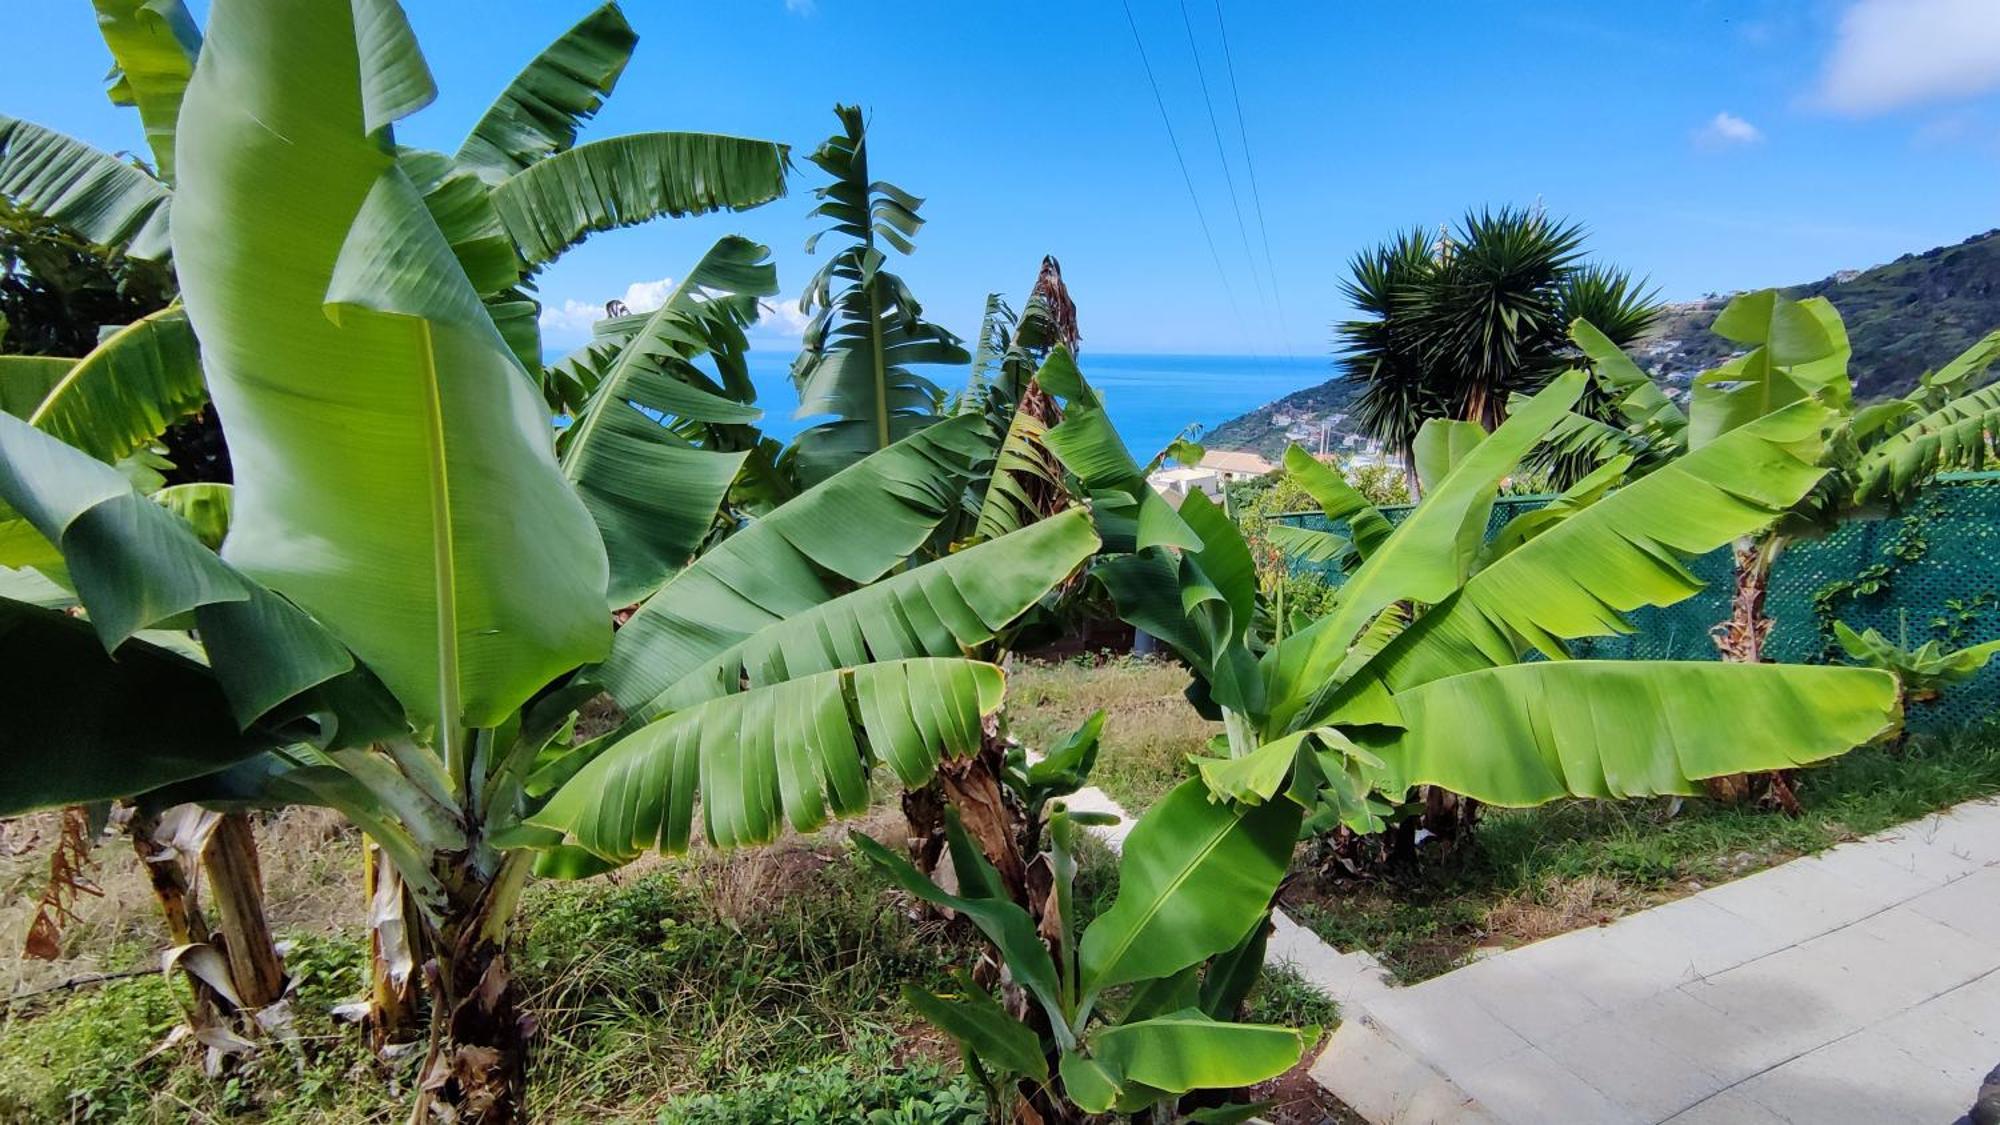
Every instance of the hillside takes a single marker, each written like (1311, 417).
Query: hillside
(1903, 318)
(1264, 430)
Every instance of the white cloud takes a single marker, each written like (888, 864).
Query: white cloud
(802, 7)
(645, 296)
(574, 317)
(571, 318)
(781, 318)
(1893, 53)
(1726, 130)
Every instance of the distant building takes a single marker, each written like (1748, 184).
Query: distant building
(1232, 465)
(1175, 484)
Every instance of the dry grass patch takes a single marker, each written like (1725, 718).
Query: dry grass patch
(1149, 729)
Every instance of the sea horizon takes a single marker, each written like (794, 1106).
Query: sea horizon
(1152, 398)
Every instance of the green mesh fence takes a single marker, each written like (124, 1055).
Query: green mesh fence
(1929, 572)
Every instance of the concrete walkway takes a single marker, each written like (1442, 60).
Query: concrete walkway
(1858, 986)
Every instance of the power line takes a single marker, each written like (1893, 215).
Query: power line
(1228, 177)
(1256, 197)
(1193, 197)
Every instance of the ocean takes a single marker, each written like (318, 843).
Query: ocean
(1152, 398)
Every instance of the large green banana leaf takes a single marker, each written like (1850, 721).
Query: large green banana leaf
(1957, 435)
(990, 350)
(774, 755)
(25, 380)
(1026, 470)
(1224, 560)
(1424, 559)
(848, 530)
(1614, 729)
(102, 198)
(1639, 401)
(205, 505)
(1195, 876)
(653, 495)
(121, 397)
(1188, 1050)
(1146, 585)
(984, 1029)
(1588, 489)
(624, 180)
(154, 43)
(540, 111)
(1307, 545)
(462, 205)
(1440, 445)
(83, 725)
(1338, 500)
(395, 463)
(942, 608)
(1800, 349)
(136, 565)
(982, 899)
(1580, 576)
(1130, 515)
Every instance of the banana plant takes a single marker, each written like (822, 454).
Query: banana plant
(1133, 1008)
(408, 574)
(1418, 677)
(1923, 672)
(867, 330)
(1879, 456)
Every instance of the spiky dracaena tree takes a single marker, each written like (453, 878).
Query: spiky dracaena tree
(1455, 326)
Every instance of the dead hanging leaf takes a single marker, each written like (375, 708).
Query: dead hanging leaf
(69, 880)
(185, 829)
(205, 963)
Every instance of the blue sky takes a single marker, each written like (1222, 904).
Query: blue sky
(1710, 144)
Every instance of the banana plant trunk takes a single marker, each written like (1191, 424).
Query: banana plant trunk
(183, 917)
(476, 1070)
(1740, 640)
(236, 879)
(971, 786)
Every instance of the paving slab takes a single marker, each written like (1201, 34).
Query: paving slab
(1854, 987)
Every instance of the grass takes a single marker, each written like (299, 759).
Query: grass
(700, 977)
(762, 985)
(759, 986)
(1532, 873)
(1150, 728)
